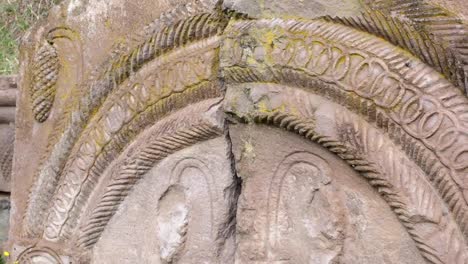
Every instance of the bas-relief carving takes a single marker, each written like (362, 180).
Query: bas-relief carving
(187, 127)
(430, 32)
(398, 180)
(126, 111)
(178, 212)
(309, 207)
(417, 105)
(57, 62)
(391, 118)
(301, 201)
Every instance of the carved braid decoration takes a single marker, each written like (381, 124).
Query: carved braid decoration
(8, 91)
(169, 135)
(436, 36)
(46, 70)
(371, 78)
(181, 11)
(160, 92)
(195, 30)
(379, 176)
(45, 73)
(404, 96)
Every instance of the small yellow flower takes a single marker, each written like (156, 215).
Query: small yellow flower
(6, 254)
(16, 262)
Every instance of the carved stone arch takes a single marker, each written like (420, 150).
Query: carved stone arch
(137, 101)
(164, 96)
(398, 99)
(150, 126)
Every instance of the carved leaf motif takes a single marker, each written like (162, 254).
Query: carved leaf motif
(45, 72)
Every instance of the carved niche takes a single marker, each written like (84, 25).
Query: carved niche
(210, 136)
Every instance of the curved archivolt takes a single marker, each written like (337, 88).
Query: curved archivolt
(433, 34)
(411, 107)
(182, 52)
(161, 93)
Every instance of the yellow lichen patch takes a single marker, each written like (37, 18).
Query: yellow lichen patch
(264, 107)
(248, 150)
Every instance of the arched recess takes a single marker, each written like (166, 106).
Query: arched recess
(162, 96)
(134, 91)
(389, 116)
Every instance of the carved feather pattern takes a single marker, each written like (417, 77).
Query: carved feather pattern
(183, 32)
(64, 213)
(378, 176)
(436, 36)
(286, 68)
(421, 199)
(45, 73)
(131, 172)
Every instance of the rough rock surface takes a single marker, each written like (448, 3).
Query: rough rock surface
(4, 218)
(8, 91)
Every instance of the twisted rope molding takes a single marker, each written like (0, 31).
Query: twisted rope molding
(117, 74)
(183, 32)
(434, 35)
(175, 132)
(376, 175)
(384, 104)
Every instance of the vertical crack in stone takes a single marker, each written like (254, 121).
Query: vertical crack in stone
(227, 232)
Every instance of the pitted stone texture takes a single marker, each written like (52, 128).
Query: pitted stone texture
(113, 23)
(7, 137)
(178, 213)
(300, 204)
(8, 90)
(293, 8)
